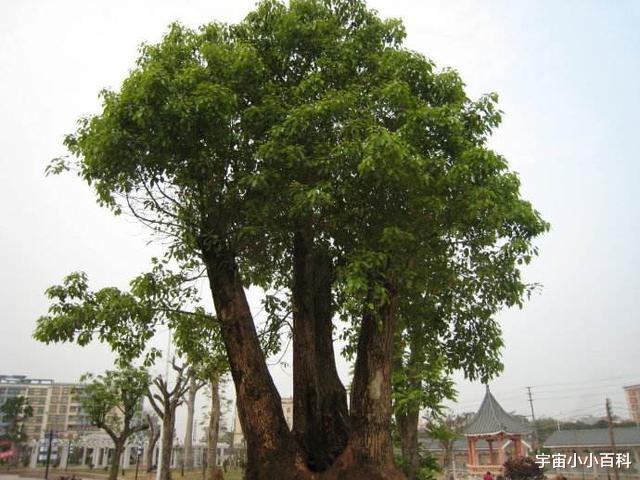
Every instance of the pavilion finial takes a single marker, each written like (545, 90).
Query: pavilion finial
(486, 387)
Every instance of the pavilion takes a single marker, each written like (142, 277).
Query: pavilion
(498, 428)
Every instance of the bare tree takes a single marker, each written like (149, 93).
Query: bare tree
(165, 401)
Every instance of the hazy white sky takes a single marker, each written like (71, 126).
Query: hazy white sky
(567, 75)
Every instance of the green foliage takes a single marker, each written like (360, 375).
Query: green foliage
(14, 411)
(231, 135)
(127, 320)
(124, 320)
(114, 399)
(429, 468)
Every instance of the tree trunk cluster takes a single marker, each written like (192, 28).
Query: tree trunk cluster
(330, 440)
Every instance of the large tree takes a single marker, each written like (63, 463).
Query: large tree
(306, 149)
(113, 402)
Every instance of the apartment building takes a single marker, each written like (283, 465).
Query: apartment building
(632, 392)
(238, 437)
(54, 406)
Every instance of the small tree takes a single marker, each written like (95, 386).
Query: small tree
(15, 411)
(112, 401)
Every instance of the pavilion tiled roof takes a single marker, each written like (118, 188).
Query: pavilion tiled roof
(491, 418)
(459, 445)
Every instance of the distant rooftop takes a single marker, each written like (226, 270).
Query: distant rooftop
(23, 380)
(594, 437)
(632, 387)
(491, 418)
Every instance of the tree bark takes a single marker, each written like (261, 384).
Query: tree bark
(270, 447)
(320, 413)
(407, 419)
(188, 435)
(212, 432)
(369, 454)
(408, 429)
(154, 436)
(115, 461)
(168, 426)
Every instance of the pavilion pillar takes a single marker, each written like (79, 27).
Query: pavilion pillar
(501, 454)
(517, 443)
(491, 459)
(473, 457)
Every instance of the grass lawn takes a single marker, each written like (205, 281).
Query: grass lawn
(232, 474)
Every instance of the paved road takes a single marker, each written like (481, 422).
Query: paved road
(4, 476)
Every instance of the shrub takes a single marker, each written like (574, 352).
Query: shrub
(522, 468)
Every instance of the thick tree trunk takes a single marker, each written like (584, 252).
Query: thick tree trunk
(212, 432)
(270, 446)
(320, 413)
(369, 454)
(408, 431)
(115, 460)
(407, 419)
(168, 425)
(188, 435)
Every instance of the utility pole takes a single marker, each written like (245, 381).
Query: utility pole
(533, 419)
(611, 437)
